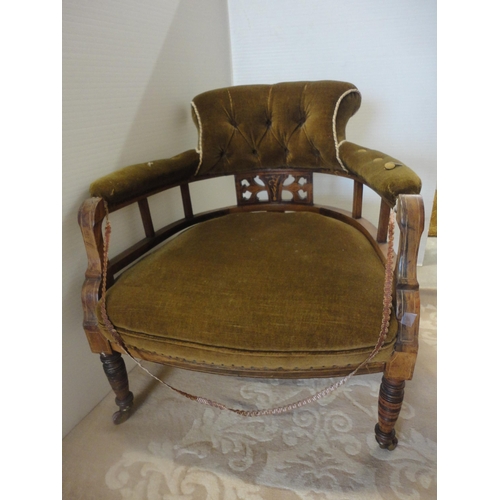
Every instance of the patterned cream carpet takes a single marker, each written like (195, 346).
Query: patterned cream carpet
(175, 449)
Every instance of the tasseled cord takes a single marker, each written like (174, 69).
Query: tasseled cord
(386, 314)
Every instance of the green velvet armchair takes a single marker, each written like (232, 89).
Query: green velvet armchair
(275, 286)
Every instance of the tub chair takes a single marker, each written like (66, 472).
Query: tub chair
(275, 286)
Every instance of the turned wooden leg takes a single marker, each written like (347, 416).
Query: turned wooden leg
(389, 405)
(115, 370)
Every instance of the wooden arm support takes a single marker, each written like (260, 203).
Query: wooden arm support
(410, 218)
(90, 218)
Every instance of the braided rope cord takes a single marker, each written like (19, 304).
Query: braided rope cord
(386, 313)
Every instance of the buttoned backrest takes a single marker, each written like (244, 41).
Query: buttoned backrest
(258, 127)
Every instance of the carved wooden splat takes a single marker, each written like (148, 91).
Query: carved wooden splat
(274, 187)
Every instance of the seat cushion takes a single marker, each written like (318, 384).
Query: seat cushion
(256, 290)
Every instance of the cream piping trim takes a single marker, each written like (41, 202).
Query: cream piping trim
(200, 134)
(334, 126)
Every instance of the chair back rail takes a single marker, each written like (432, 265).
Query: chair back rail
(269, 190)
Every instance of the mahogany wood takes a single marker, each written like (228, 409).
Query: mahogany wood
(383, 221)
(273, 183)
(411, 219)
(389, 405)
(90, 219)
(199, 178)
(186, 201)
(357, 200)
(147, 221)
(116, 372)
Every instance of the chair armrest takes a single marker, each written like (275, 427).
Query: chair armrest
(90, 219)
(134, 181)
(410, 218)
(374, 169)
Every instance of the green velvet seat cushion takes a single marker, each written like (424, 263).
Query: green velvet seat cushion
(256, 290)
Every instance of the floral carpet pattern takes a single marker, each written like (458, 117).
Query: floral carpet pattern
(175, 449)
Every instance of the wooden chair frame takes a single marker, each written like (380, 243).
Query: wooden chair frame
(269, 190)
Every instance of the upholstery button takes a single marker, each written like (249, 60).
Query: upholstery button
(391, 164)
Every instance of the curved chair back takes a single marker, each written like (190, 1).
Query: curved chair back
(256, 127)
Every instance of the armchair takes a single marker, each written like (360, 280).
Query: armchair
(275, 286)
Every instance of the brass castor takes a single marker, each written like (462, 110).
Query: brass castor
(386, 441)
(116, 372)
(125, 410)
(389, 405)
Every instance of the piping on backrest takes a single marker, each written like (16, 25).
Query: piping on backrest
(200, 133)
(334, 125)
(207, 150)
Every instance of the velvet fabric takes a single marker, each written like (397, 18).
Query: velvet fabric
(256, 290)
(386, 175)
(256, 127)
(138, 180)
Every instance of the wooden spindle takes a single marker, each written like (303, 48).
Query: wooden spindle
(383, 221)
(357, 201)
(186, 201)
(147, 221)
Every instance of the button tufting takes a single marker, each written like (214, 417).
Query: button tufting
(391, 164)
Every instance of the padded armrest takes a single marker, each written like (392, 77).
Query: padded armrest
(387, 176)
(137, 180)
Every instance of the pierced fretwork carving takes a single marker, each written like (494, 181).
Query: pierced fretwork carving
(274, 187)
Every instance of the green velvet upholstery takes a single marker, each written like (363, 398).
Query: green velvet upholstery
(386, 175)
(256, 290)
(255, 127)
(144, 178)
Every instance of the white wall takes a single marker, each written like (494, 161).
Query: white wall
(387, 48)
(130, 70)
